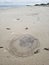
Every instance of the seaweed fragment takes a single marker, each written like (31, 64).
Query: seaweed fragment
(47, 49)
(8, 28)
(1, 47)
(37, 51)
(26, 28)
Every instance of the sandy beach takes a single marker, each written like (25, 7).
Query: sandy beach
(15, 22)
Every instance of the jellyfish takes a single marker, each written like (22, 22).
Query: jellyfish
(23, 45)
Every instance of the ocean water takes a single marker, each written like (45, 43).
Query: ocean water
(13, 4)
(6, 5)
(10, 6)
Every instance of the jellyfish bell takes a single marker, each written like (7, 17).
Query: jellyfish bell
(23, 45)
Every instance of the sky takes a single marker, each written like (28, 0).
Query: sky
(23, 1)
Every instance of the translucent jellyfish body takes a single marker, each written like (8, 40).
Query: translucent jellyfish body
(23, 45)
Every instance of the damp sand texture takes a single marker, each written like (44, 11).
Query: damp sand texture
(15, 23)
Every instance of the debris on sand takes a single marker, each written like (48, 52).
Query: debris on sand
(1, 47)
(47, 49)
(37, 51)
(8, 28)
(18, 19)
(26, 28)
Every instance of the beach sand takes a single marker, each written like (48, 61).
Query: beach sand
(33, 20)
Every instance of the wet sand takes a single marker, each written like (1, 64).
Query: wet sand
(24, 20)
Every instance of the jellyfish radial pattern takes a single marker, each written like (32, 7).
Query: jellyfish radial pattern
(23, 46)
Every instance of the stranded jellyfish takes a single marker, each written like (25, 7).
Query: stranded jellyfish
(23, 45)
